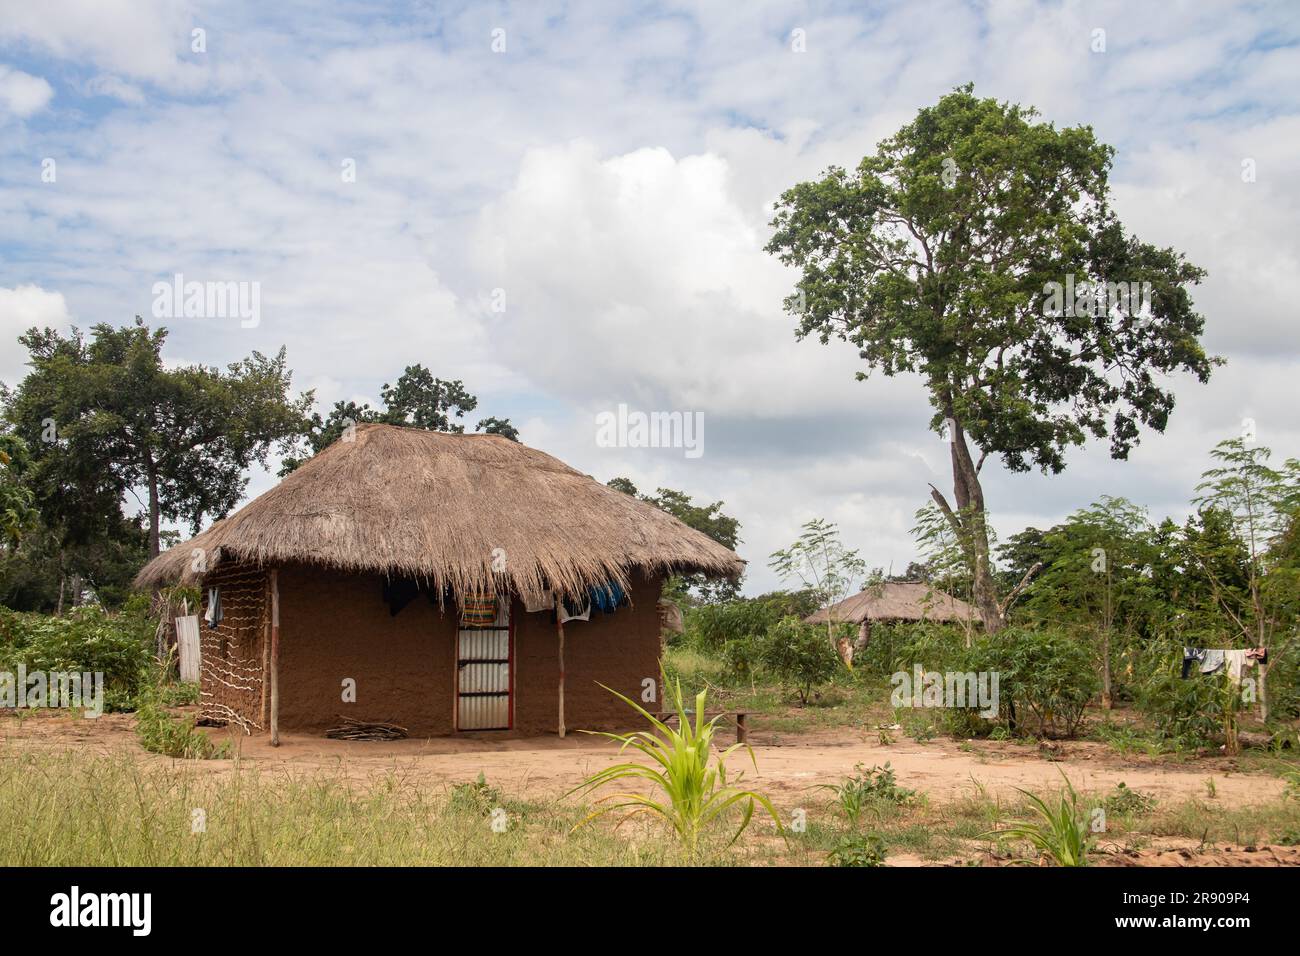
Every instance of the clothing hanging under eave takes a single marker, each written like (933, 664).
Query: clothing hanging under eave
(213, 614)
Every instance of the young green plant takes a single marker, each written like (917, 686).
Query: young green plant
(1060, 833)
(688, 792)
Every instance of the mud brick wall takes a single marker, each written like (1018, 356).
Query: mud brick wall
(232, 690)
(335, 625)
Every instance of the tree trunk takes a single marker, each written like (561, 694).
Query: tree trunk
(1260, 641)
(969, 523)
(1263, 691)
(154, 547)
(1106, 696)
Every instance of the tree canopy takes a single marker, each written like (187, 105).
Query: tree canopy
(104, 416)
(416, 400)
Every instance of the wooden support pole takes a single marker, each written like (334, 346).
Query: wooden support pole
(264, 705)
(275, 659)
(559, 630)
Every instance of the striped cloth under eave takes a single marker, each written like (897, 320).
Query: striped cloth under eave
(478, 610)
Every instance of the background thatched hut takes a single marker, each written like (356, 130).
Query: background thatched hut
(356, 570)
(895, 601)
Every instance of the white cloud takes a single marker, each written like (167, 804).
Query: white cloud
(108, 85)
(142, 38)
(21, 93)
(647, 271)
(22, 308)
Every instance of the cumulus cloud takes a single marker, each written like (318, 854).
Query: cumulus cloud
(21, 308)
(649, 270)
(21, 93)
(141, 38)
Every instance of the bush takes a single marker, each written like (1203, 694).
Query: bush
(798, 655)
(866, 850)
(896, 647)
(740, 657)
(1045, 679)
(1186, 713)
(86, 639)
(712, 627)
(161, 732)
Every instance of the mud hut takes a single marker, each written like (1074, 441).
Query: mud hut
(445, 583)
(894, 601)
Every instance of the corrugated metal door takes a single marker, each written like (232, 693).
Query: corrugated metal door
(483, 660)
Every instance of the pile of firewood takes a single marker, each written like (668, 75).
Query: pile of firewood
(365, 730)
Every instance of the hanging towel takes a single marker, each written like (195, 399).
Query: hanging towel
(1257, 654)
(1214, 660)
(607, 598)
(535, 601)
(478, 610)
(213, 614)
(573, 611)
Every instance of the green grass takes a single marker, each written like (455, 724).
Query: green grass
(1058, 831)
(71, 810)
(1200, 820)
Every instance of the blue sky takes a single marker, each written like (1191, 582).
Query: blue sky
(612, 171)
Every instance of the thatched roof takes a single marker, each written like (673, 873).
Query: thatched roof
(897, 601)
(444, 508)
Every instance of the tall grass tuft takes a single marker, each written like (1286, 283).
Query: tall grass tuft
(1060, 832)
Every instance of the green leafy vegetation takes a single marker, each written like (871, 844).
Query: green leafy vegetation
(866, 849)
(86, 640)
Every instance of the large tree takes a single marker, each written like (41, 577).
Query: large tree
(948, 254)
(105, 417)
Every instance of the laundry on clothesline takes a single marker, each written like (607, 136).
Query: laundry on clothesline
(1232, 661)
(1192, 657)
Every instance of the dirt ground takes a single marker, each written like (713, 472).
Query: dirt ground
(787, 770)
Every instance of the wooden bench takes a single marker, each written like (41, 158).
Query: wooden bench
(736, 717)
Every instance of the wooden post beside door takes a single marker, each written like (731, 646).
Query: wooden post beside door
(275, 659)
(559, 630)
